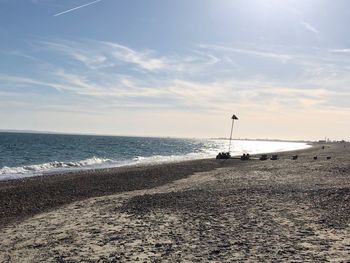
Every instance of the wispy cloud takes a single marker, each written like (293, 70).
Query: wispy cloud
(76, 8)
(114, 74)
(344, 50)
(99, 54)
(27, 81)
(185, 94)
(143, 59)
(310, 28)
(253, 52)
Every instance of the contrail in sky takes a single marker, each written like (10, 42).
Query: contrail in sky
(78, 7)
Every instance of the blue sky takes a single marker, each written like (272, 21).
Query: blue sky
(176, 68)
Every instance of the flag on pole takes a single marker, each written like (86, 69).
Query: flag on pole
(234, 117)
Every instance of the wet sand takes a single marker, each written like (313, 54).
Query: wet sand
(199, 211)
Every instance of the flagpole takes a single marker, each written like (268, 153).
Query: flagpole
(229, 147)
(234, 117)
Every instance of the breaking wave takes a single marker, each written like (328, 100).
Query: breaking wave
(38, 169)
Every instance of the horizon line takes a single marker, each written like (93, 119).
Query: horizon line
(149, 136)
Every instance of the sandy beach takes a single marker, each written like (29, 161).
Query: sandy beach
(196, 211)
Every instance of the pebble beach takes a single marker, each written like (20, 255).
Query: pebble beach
(195, 211)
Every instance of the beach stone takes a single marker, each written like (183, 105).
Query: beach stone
(281, 211)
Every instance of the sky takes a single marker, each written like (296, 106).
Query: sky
(177, 68)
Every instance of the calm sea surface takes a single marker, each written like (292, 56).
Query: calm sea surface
(27, 154)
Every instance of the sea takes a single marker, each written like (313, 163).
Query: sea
(30, 154)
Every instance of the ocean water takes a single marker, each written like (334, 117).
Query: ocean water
(28, 154)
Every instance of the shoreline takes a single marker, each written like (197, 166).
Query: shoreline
(31, 170)
(26, 197)
(206, 210)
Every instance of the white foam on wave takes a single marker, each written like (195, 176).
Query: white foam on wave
(169, 158)
(7, 173)
(238, 147)
(211, 149)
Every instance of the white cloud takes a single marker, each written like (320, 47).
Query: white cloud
(345, 50)
(143, 59)
(259, 53)
(25, 81)
(98, 54)
(215, 96)
(90, 57)
(310, 28)
(205, 79)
